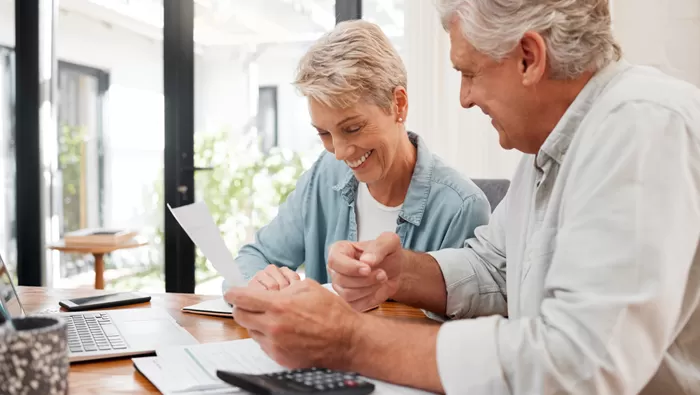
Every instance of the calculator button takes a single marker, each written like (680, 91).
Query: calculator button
(350, 383)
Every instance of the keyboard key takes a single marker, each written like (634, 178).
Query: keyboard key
(103, 347)
(119, 347)
(76, 349)
(90, 347)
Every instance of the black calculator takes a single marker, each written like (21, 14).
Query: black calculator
(300, 381)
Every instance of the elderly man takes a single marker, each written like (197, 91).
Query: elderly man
(591, 255)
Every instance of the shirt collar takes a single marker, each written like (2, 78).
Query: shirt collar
(418, 190)
(557, 143)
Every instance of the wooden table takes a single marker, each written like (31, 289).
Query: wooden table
(98, 252)
(119, 375)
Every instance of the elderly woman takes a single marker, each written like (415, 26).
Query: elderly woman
(375, 176)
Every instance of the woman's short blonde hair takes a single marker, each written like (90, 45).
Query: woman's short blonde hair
(354, 62)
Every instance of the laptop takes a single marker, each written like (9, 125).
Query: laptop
(103, 334)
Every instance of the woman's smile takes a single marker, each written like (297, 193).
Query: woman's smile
(359, 163)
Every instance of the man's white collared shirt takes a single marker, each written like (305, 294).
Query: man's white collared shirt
(601, 283)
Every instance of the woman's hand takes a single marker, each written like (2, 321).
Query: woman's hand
(273, 278)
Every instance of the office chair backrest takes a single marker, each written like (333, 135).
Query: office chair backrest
(494, 189)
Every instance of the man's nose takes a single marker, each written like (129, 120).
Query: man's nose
(465, 97)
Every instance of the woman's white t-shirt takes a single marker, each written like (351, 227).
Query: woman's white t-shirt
(373, 218)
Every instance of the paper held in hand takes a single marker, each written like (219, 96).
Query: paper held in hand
(199, 225)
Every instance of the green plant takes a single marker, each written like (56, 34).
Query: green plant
(70, 156)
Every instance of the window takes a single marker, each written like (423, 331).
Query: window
(8, 246)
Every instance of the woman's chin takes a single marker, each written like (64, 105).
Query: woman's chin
(365, 175)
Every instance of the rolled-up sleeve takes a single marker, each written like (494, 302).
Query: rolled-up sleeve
(616, 286)
(475, 275)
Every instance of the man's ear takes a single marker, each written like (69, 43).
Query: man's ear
(533, 58)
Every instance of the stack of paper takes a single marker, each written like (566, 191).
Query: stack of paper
(192, 369)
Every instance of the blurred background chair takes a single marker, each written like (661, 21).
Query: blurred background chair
(494, 189)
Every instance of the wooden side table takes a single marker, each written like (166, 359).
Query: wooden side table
(98, 252)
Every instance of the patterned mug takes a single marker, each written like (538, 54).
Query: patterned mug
(33, 356)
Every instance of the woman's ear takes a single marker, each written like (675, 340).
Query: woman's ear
(400, 103)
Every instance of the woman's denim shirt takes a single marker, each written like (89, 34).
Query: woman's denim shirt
(441, 210)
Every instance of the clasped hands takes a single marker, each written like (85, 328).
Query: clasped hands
(299, 323)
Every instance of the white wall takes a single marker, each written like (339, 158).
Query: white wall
(221, 91)
(465, 139)
(665, 34)
(277, 66)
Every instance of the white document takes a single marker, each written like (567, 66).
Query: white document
(199, 225)
(193, 368)
(152, 369)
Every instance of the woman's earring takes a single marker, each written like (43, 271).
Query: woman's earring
(400, 119)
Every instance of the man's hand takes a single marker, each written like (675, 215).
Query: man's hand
(303, 325)
(366, 274)
(273, 278)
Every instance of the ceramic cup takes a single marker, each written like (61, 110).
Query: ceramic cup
(33, 356)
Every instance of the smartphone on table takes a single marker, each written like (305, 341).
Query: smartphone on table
(103, 301)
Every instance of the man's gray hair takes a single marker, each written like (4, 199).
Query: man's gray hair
(578, 33)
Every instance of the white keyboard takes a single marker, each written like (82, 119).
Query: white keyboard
(92, 332)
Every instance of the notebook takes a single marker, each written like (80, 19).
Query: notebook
(220, 308)
(216, 307)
